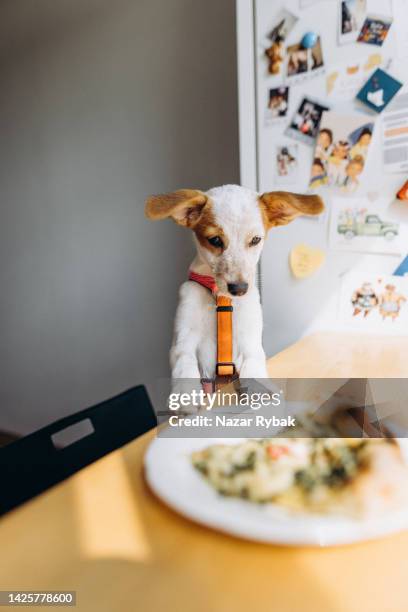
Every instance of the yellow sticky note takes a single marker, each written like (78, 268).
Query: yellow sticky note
(305, 260)
(373, 61)
(330, 81)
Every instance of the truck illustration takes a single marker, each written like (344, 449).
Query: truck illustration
(366, 225)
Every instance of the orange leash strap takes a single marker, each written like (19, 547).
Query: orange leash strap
(225, 365)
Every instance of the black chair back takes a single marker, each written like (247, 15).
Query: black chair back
(36, 462)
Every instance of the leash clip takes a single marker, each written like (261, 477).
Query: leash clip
(223, 364)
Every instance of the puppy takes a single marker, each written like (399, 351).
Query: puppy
(229, 225)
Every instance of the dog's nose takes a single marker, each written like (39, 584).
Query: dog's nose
(237, 288)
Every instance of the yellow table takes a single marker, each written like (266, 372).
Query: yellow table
(103, 534)
(342, 355)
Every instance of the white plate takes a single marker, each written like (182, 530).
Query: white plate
(174, 480)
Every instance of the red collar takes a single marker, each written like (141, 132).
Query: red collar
(205, 281)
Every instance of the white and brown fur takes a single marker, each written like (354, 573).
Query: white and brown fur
(236, 215)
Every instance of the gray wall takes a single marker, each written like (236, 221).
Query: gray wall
(101, 103)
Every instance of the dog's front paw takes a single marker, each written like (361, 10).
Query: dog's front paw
(184, 368)
(185, 395)
(253, 368)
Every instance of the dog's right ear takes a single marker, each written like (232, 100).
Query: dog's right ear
(183, 206)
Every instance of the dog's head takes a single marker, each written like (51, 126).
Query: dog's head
(230, 225)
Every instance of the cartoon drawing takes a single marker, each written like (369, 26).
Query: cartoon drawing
(353, 223)
(364, 300)
(374, 302)
(390, 302)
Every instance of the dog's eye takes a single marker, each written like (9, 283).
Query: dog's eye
(255, 240)
(216, 241)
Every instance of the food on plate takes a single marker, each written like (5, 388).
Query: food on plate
(351, 476)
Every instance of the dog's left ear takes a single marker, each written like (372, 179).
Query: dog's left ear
(183, 206)
(280, 207)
